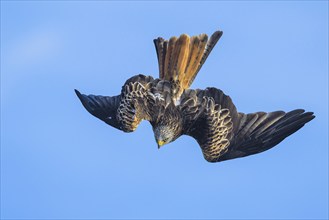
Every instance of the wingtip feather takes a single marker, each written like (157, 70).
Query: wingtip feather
(77, 92)
(80, 96)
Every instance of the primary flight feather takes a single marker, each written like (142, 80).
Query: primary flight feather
(207, 115)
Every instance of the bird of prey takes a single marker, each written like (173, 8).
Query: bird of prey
(207, 115)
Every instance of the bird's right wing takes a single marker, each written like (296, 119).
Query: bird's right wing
(102, 107)
(141, 98)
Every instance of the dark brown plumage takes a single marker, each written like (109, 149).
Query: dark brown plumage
(207, 115)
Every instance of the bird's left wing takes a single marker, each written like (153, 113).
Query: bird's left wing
(223, 133)
(209, 117)
(102, 107)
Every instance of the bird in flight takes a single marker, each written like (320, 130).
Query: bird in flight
(207, 115)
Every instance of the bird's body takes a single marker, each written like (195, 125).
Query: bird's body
(173, 109)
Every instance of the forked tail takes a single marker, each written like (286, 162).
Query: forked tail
(180, 59)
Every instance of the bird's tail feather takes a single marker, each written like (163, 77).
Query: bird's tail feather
(180, 59)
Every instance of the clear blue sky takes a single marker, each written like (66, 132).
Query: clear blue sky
(57, 161)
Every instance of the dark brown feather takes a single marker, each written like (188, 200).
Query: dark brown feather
(265, 132)
(102, 107)
(209, 113)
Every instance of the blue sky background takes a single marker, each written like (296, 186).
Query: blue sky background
(57, 161)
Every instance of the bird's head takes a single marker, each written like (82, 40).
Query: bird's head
(167, 124)
(164, 134)
(167, 130)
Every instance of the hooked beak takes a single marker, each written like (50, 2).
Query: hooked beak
(160, 143)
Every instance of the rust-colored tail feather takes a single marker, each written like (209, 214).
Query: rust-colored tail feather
(180, 59)
(194, 46)
(180, 56)
(190, 73)
(168, 67)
